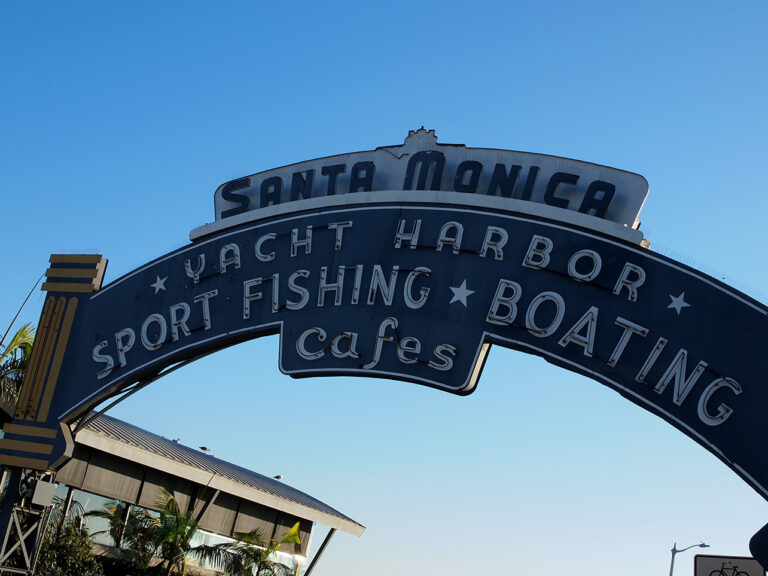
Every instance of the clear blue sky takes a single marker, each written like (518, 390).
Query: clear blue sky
(119, 119)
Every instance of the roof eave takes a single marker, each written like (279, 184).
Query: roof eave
(158, 462)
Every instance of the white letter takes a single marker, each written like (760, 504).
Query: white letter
(412, 238)
(356, 284)
(539, 248)
(629, 329)
(177, 323)
(408, 345)
(301, 348)
(339, 227)
(454, 241)
(293, 287)
(225, 259)
(509, 302)
(275, 293)
(632, 285)
(447, 361)
(257, 247)
(723, 410)
(249, 296)
(351, 351)
(651, 360)
(495, 245)
(337, 288)
(163, 332)
(206, 307)
(388, 322)
(530, 320)
(123, 347)
(597, 263)
(676, 371)
(378, 282)
(195, 274)
(98, 357)
(295, 242)
(423, 291)
(587, 341)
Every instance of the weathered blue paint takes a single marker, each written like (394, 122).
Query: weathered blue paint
(416, 292)
(421, 163)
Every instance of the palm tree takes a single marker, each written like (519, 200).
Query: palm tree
(174, 533)
(14, 359)
(168, 536)
(65, 549)
(135, 537)
(144, 536)
(251, 554)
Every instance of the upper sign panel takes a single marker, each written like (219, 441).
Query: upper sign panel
(423, 164)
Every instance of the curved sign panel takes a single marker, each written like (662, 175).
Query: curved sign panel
(421, 163)
(413, 288)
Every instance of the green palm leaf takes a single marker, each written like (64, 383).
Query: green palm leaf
(168, 537)
(21, 341)
(14, 360)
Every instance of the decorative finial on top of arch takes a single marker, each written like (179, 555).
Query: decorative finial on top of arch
(421, 139)
(421, 136)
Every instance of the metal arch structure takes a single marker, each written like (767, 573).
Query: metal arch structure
(412, 282)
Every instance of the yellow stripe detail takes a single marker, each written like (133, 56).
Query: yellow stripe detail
(95, 273)
(71, 272)
(67, 287)
(38, 358)
(19, 462)
(48, 351)
(27, 382)
(51, 333)
(37, 431)
(23, 446)
(101, 268)
(75, 258)
(58, 358)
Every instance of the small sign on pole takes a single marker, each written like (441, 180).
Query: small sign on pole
(706, 565)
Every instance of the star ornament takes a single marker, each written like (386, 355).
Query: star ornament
(159, 284)
(678, 302)
(460, 293)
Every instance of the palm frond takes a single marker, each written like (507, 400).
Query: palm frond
(21, 341)
(291, 537)
(221, 557)
(256, 551)
(168, 536)
(254, 537)
(14, 360)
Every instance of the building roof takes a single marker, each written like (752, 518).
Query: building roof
(127, 441)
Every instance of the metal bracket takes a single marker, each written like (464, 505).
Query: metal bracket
(29, 549)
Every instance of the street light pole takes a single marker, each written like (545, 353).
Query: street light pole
(675, 551)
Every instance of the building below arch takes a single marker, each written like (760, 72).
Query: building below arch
(114, 460)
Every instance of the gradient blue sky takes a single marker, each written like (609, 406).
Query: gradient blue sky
(119, 119)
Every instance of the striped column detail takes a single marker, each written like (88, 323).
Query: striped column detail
(27, 446)
(75, 273)
(29, 439)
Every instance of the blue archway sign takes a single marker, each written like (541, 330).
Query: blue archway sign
(362, 278)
